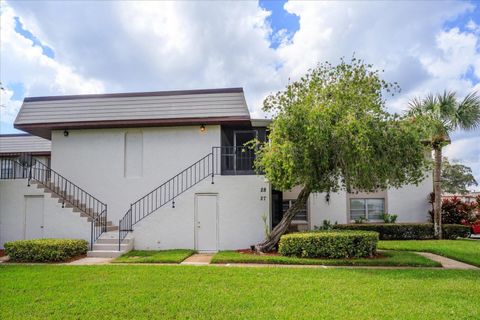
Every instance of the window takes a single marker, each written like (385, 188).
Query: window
(369, 209)
(300, 216)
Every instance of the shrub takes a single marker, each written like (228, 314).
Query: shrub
(456, 211)
(389, 218)
(329, 244)
(45, 250)
(326, 225)
(454, 231)
(408, 231)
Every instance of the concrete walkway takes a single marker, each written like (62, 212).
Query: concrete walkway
(199, 259)
(88, 261)
(446, 263)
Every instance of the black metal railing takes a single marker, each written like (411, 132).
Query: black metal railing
(10, 168)
(165, 193)
(232, 160)
(222, 160)
(27, 167)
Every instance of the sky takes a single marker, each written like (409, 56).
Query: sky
(73, 47)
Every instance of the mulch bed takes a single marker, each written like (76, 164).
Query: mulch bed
(2, 252)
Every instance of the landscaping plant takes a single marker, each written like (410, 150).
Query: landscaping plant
(408, 231)
(331, 131)
(45, 250)
(444, 114)
(334, 244)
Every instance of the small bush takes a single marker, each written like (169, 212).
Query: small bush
(329, 244)
(389, 218)
(408, 231)
(45, 250)
(454, 231)
(456, 211)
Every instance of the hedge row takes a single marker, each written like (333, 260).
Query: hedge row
(329, 244)
(45, 250)
(408, 231)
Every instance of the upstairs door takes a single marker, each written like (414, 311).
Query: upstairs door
(34, 210)
(206, 222)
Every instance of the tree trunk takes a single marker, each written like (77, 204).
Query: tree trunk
(271, 242)
(437, 189)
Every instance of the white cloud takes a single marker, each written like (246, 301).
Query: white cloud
(143, 46)
(23, 62)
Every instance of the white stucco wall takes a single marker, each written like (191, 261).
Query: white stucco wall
(410, 203)
(58, 222)
(334, 210)
(95, 160)
(240, 210)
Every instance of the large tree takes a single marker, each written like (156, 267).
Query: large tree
(331, 131)
(445, 114)
(456, 177)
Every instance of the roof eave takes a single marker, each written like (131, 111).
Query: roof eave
(44, 130)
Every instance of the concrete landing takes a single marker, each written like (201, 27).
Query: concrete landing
(199, 259)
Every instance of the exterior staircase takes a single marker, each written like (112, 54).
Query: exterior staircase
(70, 196)
(106, 245)
(87, 213)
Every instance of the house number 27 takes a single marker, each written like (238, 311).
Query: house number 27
(263, 190)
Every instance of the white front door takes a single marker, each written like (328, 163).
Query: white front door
(34, 217)
(206, 222)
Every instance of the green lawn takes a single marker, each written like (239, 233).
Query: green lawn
(173, 292)
(467, 251)
(163, 256)
(389, 258)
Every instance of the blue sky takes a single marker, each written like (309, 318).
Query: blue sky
(52, 48)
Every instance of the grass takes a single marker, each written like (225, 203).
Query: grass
(388, 258)
(467, 251)
(172, 292)
(163, 256)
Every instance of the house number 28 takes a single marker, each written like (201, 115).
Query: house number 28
(263, 190)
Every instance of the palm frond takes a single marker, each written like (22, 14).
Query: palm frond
(468, 112)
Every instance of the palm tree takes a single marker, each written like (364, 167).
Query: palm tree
(445, 114)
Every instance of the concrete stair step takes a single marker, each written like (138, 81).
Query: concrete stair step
(112, 246)
(112, 228)
(113, 241)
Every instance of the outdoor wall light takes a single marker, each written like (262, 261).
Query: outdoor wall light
(327, 198)
(65, 133)
(202, 128)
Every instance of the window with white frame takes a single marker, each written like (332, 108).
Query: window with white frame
(366, 209)
(300, 216)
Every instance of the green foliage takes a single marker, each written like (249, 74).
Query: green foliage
(456, 211)
(389, 218)
(172, 292)
(445, 114)
(329, 244)
(326, 225)
(408, 231)
(386, 258)
(45, 250)
(331, 130)
(456, 177)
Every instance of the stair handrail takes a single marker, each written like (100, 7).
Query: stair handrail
(166, 193)
(215, 163)
(69, 192)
